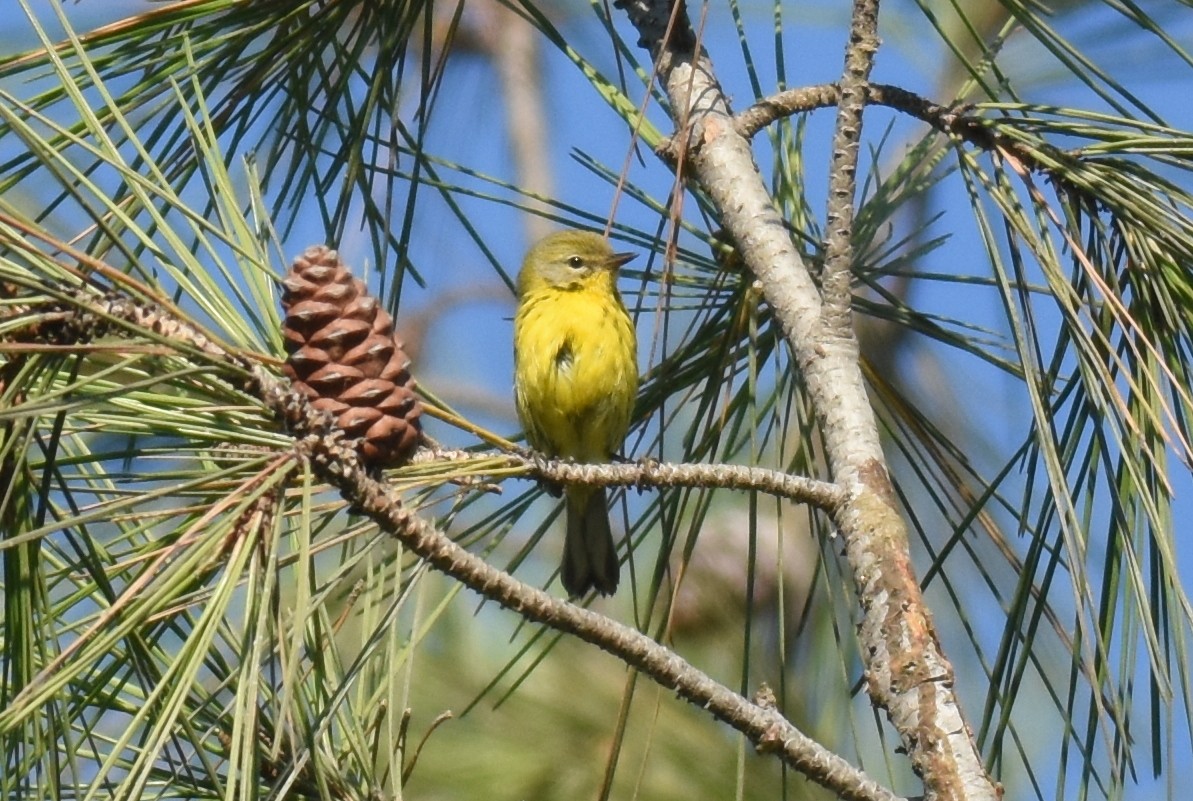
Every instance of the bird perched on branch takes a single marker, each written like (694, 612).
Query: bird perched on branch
(576, 377)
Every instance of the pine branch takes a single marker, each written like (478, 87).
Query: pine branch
(650, 473)
(87, 314)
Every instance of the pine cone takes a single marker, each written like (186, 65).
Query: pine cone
(344, 357)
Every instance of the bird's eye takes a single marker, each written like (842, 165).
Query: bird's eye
(575, 262)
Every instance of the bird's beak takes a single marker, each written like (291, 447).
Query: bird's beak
(618, 259)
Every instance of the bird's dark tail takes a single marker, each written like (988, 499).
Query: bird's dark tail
(589, 555)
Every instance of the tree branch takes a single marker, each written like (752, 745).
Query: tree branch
(907, 673)
(764, 725)
(333, 457)
(949, 120)
(649, 473)
(837, 281)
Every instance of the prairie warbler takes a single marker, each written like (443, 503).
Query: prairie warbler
(576, 377)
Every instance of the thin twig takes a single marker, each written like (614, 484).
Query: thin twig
(951, 120)
(785, 104)
(837, 280)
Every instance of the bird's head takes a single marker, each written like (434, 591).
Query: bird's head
(569, 260)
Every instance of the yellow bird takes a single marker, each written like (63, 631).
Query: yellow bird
(575, 378)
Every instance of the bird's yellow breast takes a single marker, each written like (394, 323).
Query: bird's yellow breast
(576, 370)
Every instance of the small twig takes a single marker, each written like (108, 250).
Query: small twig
(440, 719)
(951, 120)
(785, 104)
(837, 280)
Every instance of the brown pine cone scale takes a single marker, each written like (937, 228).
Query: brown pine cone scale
(344, 357)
